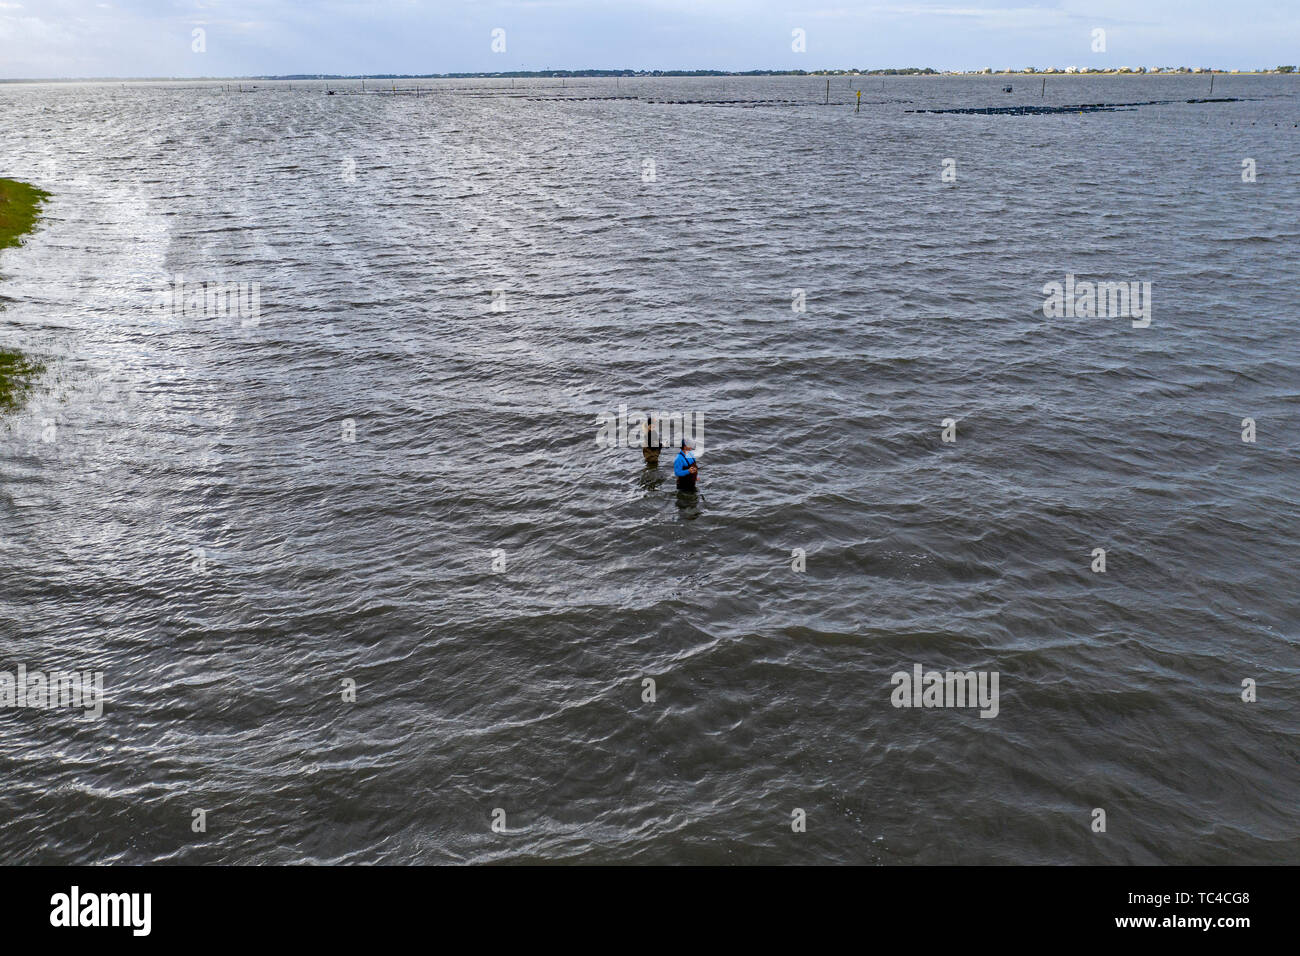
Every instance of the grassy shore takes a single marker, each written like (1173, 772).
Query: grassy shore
(17, 373)
(20, 206)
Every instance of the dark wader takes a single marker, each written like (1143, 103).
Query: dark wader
(684, 482)
(650, 448)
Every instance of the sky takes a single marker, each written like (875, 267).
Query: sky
(48, 39)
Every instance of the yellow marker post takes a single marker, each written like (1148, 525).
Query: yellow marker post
(859, 107)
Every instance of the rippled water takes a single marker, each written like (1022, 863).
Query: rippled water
(195, 526)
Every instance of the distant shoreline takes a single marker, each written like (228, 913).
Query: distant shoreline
(655, 74)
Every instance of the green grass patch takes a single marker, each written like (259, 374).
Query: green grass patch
(20, 205)
(17, 373)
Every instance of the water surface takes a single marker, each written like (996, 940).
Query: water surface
(199, 530)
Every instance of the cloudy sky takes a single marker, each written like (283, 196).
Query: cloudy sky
(134, 38)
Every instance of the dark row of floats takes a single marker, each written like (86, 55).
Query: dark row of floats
(1028, 110)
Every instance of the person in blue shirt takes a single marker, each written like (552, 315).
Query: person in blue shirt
(684, 466)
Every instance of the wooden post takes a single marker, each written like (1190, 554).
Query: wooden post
(828, 92)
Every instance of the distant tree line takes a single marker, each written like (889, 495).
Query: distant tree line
(542, 74)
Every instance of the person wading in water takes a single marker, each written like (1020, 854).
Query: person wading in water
(684, 466)
(650, 443)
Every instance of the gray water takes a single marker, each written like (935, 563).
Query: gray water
(179, 508)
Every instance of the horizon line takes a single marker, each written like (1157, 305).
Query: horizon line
(597, 73)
